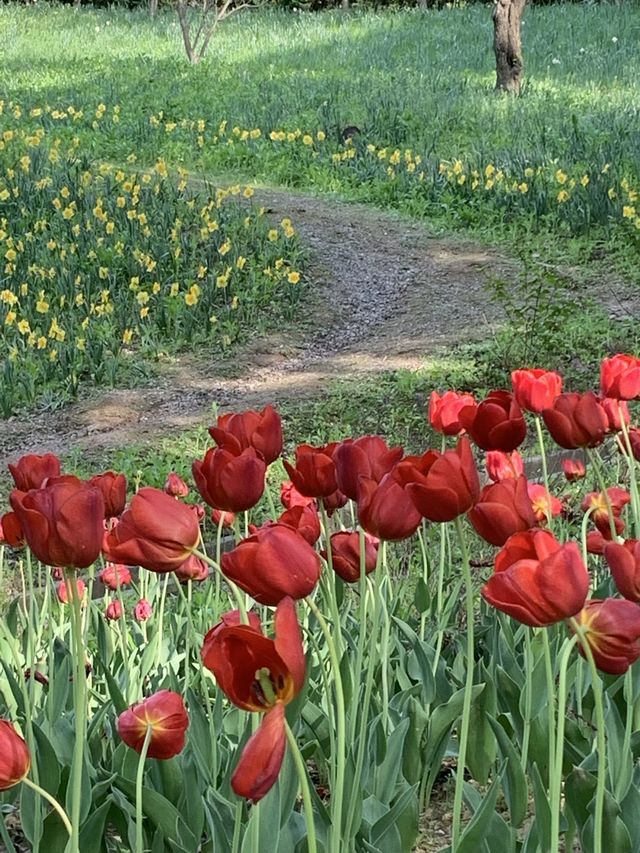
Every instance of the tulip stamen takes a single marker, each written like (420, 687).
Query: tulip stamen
(264, 687)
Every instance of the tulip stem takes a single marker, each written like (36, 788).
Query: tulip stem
(551, 702)
(331, 580)
(555, 772)
(139, 778)
(468, 688)
(596, 686)
(593, 457)
(528, 699)
(80, 702)
(545, 471)
(52, 801)
(440, 595)
(362, 619)
(237, 827)
(337, 796)
(635, 498)
(304, 788)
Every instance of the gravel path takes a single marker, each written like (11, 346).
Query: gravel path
(383, 294)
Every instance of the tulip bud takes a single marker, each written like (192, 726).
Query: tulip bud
(574, 469)
(175, 486)
(142, 610)
(31, 471)
(620, 377)
(444, 411)
(15, 760)
(115, 575)
(346, 557)
(63, 593)
(536, 389)
(113, 611)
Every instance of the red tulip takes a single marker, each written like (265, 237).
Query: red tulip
(193, 569)
(536, 544)
(11, 531)
(114, 575)
(496, 423)
(345, 554)
(273, 563)
(624, 562)
(63, 593)
(442, 486)
(156, 532)
(385, 510)
(612, 630)
(314, 473)
(290, 496)
(15, 760)
(536, 389)
(502, 509)
(230, 479)
(596, 543)
(616, 411)
(334, 501)
(142, 611)
(114, 491)
(30, 471)
(596, 503)
(544, 505)
(444, 412)
(113, 611)
(175, 486)
(574, 469)
(260, 430)
(576, 420)
(620, 377)
(540, 591)
(263, 675)
(219, 516)
(62, 523)
(503, 466)
(305, 520)
(634, 441)
(167, 716)
(368, 456)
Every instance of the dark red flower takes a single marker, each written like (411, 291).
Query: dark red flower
(305, 520)
(219, 516)
(444, 411)
(369, 456)
(230, 479)
(334, 501)
(503, 466)
(624, 562)
(612, 629)
(11, 531)
(536, 389)
(544, 505)
(166, 715)
(616, 411)
(113, 611)
(260, 430)
(496, 423)
(576, 420)
(193, 569)
(30, 471)
(142, 611)
(290, 496)
(156, 532)
(442, 486)
(263, 675)
(540, 590)
(503, 509)
(114, 575)
(345, 554)
(620, 377)
(63, 593)
(15, 759)
(272, 563)
(385, 509)
(574, 469)
(314, 473)
(634, 441)
(114, 491)
(62, 523)
(175, 486)
(596, 504)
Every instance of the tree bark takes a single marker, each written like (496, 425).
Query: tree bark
(153, 7)
(507, 44)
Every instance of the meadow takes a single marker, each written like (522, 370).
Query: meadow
(278, 630)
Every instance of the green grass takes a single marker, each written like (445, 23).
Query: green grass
(412, 80)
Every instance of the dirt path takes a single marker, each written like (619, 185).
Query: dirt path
(384, 293)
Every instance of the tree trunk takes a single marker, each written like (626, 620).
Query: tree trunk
(507, 18)
(153, 7)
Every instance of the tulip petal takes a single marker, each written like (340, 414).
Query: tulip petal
(288, 641)
(262, 757)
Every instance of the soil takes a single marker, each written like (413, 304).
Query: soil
(384, 293)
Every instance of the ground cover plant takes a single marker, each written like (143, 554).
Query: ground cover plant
(326, 722)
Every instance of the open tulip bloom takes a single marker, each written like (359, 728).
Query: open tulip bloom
(262, 675)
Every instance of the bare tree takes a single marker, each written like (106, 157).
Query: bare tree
(199, 20)
(507, 44)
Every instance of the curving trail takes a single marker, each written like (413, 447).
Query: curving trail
(384, 293)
